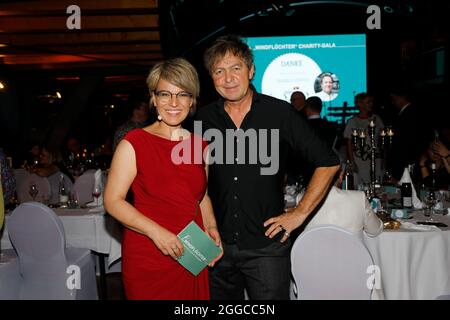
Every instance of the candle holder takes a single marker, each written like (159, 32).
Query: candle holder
(372, 149)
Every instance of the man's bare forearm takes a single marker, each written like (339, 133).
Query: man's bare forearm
(316, 190)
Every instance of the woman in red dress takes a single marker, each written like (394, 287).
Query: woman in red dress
(167, 194)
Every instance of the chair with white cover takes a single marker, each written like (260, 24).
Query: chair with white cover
(42, 184)
(83, 186)
(21, 175)
(328, 262)
(54, 180)
(48, 269)
(9, 275)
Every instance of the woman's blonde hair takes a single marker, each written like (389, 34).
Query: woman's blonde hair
(177, 71)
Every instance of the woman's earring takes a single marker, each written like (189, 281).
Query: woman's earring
(159, 117)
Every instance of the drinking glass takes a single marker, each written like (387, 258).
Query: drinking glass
(96, 192)
(33, 191)
(430, 201)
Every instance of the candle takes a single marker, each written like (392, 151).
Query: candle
(354, 132)
(362, 134)
(390, 133)
(383, 133)
(372, 123)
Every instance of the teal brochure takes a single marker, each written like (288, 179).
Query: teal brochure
(199, 249)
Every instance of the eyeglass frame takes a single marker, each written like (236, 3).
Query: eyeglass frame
(177, 95)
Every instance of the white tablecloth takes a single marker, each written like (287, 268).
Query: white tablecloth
(85, 228)
(413, 264)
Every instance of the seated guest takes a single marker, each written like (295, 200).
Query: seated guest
(46, 166)
(7, 178)
(348, 209)
(31, 157)
(438, 154)
(440, 150)
(51, 167)
(50, 163)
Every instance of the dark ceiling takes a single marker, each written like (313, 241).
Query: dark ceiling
(106, 61)
(119, 37)
(122, 39)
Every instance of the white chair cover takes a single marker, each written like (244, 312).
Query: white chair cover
(42, 185)
(21, 175)
(37, 234)
(54, 186)
(329, 262)
(83, 187)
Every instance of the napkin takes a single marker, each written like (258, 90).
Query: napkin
(419, 227)
(406, 177)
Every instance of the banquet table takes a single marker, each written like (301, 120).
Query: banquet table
(414, 264)
(88, 228)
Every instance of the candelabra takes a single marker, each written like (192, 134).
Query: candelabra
(372, 149)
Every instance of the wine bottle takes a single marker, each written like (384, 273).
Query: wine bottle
(63, 196)
(348, 182)
(406, 192)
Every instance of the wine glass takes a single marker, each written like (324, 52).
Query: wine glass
(96, 192)
(430, 201)
(33, 191)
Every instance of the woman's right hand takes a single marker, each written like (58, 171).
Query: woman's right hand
(167, 242)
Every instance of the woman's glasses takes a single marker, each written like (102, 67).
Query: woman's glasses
(166, 96)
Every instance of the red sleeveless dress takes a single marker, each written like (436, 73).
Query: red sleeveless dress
(168, 193)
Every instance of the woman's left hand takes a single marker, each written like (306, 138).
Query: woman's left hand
(213, 233)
